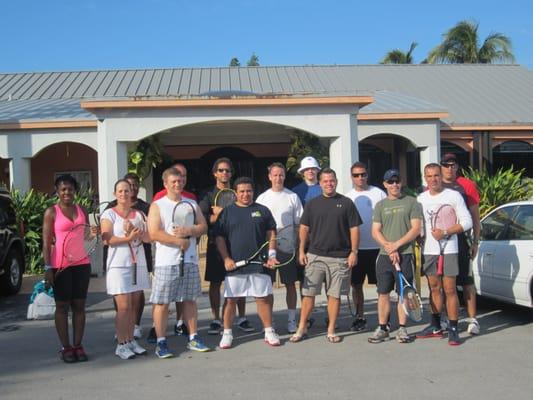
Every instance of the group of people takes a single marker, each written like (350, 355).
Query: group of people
(339, 241)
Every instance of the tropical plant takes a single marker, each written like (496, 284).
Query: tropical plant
(148, 154)
(304, 144)
(504, 186)
(253, 61)
(460, 45)
(234, 62)
(398, 56)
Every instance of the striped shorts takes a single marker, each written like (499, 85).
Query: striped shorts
(169, 287)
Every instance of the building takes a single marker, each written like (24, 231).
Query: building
(85, 122)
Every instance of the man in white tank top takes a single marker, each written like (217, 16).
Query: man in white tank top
(172, 243)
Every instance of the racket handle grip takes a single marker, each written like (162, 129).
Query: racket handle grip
(440, 265)
(134, 277)
(397, 267)
(239, 264)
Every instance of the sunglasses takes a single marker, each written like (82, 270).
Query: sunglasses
(393, 181)
(223, 170)
(448, 165)
(363, 175)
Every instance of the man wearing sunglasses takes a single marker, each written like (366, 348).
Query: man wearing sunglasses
(215, 272)
(468, 243)
(365, 198)
(397, 222)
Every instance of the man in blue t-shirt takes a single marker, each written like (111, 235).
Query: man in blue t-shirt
(241, 229)
(309, 188)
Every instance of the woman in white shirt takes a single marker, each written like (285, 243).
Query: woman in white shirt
(122, 226)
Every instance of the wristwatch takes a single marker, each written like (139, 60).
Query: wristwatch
(445, 234)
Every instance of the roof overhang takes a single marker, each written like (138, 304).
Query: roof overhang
(486, 127)
(401, 116)
(48, 124)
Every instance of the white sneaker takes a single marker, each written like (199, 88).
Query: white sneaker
(137, 332)
(473, 327)
(272, 338)
(291, 326)
(136, 348)
(226, 341)
(124, 352)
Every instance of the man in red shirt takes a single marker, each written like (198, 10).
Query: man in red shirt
(188, 195)
(467, 248)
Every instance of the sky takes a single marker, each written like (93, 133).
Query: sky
(71, 35)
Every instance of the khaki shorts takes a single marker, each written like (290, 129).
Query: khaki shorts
(334, 271)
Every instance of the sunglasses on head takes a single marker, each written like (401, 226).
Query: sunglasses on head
(223, 170)
(393, 181)
(362, 175)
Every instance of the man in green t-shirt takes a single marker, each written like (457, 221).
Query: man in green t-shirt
(397, 221)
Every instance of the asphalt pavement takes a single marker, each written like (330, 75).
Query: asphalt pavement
(494, 365)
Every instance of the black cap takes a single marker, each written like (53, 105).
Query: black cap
(390, 174)
(448, 158)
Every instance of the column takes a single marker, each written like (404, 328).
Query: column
(112, 162)
(343, 152)
(20, 173)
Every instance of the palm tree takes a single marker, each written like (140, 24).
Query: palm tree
(461, 46)
(397, 56)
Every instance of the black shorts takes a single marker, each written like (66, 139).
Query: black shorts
(386, 273)
(214, 265)
(72, 283)
(288, 273)
(465, 276)
(366, 267)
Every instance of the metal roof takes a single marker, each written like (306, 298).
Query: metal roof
(472, 94)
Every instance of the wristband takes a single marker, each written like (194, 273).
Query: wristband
(272, 254)
(354, 251)
(48, 267)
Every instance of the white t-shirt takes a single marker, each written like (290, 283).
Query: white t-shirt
(365, 201)
(285, 206)
(120, 255)
(167, 254)
(430, 204)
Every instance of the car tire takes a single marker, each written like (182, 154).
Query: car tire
(11, 281)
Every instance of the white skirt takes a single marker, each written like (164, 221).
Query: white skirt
(119, 280)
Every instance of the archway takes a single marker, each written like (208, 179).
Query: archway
(517, 153)
(77, 159)
(384, 151)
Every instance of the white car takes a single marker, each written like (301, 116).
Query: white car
(503, 267)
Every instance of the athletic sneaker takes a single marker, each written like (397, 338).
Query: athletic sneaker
(453, 336)
(124, 352)
(214, 327)
(402, 336)
(226, 341)
(358, 325)
(430, 331)
(196, 344)
(152, 336)
(137, 332)
(291, 326)
(378, 336)
(136, 348)
(67, 355)
(162, 350)
(181, 330)
(245, 325)
(79, 353)
(272, 338)
(473, 327)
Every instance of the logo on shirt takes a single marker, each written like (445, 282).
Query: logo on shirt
(256, 214)
(339, 205)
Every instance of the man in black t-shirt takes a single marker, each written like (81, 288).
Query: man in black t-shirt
(329, 226)
(241, 229)
(214, 268)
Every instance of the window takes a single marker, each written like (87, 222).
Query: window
(521, 227)
(494, 226)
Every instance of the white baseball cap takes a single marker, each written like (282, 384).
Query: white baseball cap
(308, 162)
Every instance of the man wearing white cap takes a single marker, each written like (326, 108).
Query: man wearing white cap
(309, 188)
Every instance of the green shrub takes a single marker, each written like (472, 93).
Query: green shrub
(30, 207)
(502, 187)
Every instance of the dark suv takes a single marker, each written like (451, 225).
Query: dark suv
(11, 247)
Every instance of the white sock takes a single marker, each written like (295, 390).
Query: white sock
(179, 323)
(292, 314)
(160, 339)
(228, 332)
(269, 330)
(192, 335)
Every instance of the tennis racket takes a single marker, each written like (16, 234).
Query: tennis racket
(260, 256)
(224, 198)
(409, 298)
(80, 242)
(135, 220)
(285, 245)
(96, 211)
(443, 218)
(183, 216)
